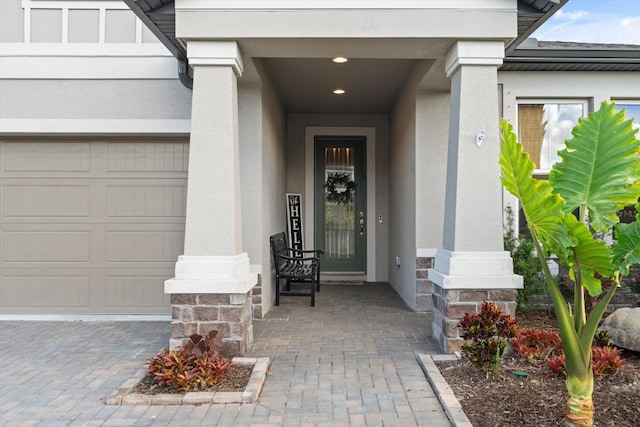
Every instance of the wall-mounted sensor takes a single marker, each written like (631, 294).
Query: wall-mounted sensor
(480, 138)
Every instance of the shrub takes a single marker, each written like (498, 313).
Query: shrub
(531, 343)
(525, 263)
(196, 366)
(488, 331)
(602, 338)
(605, 361)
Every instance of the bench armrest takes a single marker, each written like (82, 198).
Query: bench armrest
(314, 260)
(318, 252)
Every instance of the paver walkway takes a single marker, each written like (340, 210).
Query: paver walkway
(350, 361)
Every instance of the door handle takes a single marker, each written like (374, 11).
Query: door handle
(361, 223)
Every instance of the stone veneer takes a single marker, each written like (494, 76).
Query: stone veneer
(256, 299)
(229, 314)
(424, 286)
(450, 305)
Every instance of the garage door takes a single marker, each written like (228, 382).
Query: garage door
(90, 226)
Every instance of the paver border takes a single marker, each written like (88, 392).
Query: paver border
(447, 398)
(123, 395)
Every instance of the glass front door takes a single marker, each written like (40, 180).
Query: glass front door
(340, 202)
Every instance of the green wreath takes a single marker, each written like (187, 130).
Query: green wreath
(340, 188)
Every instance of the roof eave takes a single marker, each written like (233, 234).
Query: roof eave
(550, 7)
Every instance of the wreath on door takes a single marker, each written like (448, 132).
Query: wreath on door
(340, 188)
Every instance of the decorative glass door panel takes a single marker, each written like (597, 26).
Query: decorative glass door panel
(340, 201)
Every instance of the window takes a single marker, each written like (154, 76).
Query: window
(543, 126)
(632, 111)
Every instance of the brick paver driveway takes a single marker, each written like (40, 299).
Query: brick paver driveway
(348, 361)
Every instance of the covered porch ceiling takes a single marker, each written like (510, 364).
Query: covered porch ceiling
(305, 83)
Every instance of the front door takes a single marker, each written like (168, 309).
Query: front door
(340, 202)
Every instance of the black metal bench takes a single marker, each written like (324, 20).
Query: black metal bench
(295, 266)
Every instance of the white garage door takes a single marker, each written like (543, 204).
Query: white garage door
(90, 226)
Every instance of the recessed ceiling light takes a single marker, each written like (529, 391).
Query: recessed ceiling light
(339, 91)
(340, 59)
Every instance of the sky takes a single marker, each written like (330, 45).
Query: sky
(594, 21)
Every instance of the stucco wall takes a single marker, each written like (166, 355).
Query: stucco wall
(432, 133)
(47, 23)
(593, 87)
(402, 200)
(11, 21)
(263, 174)
(250, 133)
(94, 99)
(273, 182)
(296, 173)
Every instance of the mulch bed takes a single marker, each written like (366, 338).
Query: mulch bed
(504, 399)
(235, 379)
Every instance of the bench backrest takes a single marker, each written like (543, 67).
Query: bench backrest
(278, 247)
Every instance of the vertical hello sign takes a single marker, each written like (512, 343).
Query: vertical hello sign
(294, 221)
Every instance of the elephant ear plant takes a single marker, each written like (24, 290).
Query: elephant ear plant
(598, 175)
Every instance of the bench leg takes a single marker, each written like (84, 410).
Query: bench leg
(277, 291)
(312, 287)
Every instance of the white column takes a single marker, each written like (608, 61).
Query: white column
(472, 255)
(213, 261)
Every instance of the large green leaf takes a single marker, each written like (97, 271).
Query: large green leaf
(626, 250)
(600, 167)
(542, 208)
(589, 256)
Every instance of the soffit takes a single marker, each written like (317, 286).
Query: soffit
(304, 83)
(536, 55)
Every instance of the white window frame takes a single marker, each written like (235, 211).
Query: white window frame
(628, 101)
(585, 111)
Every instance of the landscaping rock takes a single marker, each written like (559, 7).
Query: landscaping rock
(624, 327)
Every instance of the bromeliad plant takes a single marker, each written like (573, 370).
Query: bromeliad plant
(599, 174)
(488, 332)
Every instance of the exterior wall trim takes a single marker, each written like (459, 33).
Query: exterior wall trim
(426, 252)
(97, 126)
(86, 61)
(343, 4)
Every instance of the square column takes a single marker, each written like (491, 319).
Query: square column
(472, 266)
(212, 284)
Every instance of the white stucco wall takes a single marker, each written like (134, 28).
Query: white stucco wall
(273, 183)
(593, 87)
(250, 132)
(402, 200)
(263, 174)
(11, 21)
(296, 173)
(94, 99)
(432, 133)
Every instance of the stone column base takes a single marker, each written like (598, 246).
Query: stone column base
(213, 293)
(229, 314)
(424, 286)
(450, 305)
(461, 282)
